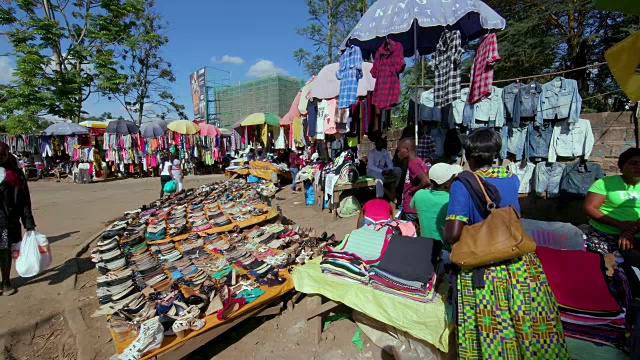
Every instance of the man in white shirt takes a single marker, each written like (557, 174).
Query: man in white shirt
(380, 166)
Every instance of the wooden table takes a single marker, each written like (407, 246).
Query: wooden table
(368, 184)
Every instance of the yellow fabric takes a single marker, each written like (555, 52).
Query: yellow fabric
(352, 141)
(97, 160)
(623, 59)
(260, 169)
(296, 127)
(427, 322)
(265, 134)
(253, 119)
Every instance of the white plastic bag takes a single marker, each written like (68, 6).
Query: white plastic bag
(35, 254)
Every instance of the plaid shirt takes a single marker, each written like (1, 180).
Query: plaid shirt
(426, 147)
(447, 68)
(349, 73)
(482, 70)
(387, 66)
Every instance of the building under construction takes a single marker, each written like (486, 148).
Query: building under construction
(273, 94)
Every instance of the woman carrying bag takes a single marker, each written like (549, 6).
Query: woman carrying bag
(505, 309)
(15, 208)
(165, 174)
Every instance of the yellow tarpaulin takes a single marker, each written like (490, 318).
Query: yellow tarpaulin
(427, 322)
(624, 59)
(261, 169)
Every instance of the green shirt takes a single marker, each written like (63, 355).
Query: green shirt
(622, 201)
(431, 206)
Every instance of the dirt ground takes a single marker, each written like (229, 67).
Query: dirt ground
(33, 325)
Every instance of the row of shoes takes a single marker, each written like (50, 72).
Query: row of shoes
(197, 217)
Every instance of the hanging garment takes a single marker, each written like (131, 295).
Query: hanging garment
(388, 64)
(560, 100)
(571, 140)
(547, 178)
(312, 117)
(488, 112)
(323, 111)
(447, 68)
(330, 117)
(526, 101)
(428, 111)
(578, 177)
(482, 70)
(525, 175)
(349, 73)
(304, 96)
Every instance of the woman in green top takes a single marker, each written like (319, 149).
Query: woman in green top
(613, 204)
(431, 204)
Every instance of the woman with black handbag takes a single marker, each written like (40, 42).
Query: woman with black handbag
(505, 310)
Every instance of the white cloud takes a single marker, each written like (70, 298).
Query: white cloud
(6, 69)
(237, 60)
(264, 68)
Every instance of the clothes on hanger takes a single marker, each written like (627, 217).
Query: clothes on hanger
(388, 64)
(578, 177)
(446, 61)
(571, 139)
(547, 178)
(524, 170)
(482, 69)
(349, 73)
(559, 100)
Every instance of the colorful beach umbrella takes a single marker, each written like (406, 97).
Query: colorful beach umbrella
(209, 130)
(184, 127)
(260, 119)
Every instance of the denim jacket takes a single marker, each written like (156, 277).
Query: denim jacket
(488, 111)
(559, 98)
(427, 109)
(509, 95)
(571, 140)
(457, 107)
(527, 101)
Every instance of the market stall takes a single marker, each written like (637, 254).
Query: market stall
(261, 169)
(192, 281)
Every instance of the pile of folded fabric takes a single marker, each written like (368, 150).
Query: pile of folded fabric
(588, 310)
(408, 268)
(368, 243)
(344, 265)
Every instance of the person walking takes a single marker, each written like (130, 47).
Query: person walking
(293, 167)
(510, 302)
(176, 174)
(16, 208)
(165, 173)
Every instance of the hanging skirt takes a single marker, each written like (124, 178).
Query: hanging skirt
(514, 316)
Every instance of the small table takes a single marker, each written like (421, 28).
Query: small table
(367, 184)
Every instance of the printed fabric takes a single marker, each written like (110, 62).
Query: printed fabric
(349, 73)
(387, 66)
(447, 68)
(482, 79)
(514, 316)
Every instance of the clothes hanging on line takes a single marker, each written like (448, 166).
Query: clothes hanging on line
(387, 66)
(482, 69)
(349, 73)
(446, 61)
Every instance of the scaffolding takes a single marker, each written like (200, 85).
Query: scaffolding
(216, 79)
(273, 94)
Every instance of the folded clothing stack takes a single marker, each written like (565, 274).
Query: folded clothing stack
(347, 266)
(367, 243)
(407, 268)
(588, 310)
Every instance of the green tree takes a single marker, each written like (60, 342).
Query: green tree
(330, 23)
(147, 90)
(549, 35)
(64, 50)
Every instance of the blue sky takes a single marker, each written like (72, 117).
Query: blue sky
(248, 38)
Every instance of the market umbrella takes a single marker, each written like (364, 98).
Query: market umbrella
(153, 129)
(122, 127)
(65, 128)
(287, 119)
(184, 127)
(261, 118)
(95, 124)
(209, 130)
(396, 20)
(327, 86)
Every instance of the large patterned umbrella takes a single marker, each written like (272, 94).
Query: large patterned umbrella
(397, 19)
(65, 128)
(122, 127)
(184, 127)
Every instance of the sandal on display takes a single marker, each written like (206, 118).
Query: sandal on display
(231, 308)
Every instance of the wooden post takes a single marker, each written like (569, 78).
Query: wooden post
(635, 114)
(315, 324)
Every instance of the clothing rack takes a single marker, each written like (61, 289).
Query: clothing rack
(542, 75)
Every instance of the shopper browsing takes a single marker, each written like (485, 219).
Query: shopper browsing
(375, 211)
(176, 174)
(165, 173)
(417, 177)
(431, 204)
(380, 165)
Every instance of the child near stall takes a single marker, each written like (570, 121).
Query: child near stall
(374, 212)
(431, 204)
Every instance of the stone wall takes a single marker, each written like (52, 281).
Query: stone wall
(613, 132)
